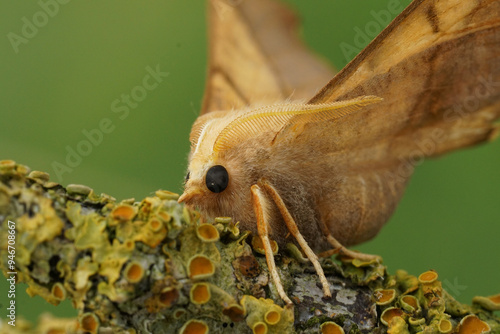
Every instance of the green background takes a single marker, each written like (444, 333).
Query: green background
(65, 78)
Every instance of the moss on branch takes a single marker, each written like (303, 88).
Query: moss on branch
(151, 266)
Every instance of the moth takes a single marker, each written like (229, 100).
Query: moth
(326, 167)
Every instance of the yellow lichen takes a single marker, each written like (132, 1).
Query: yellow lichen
(179, 313)
(257, 309)
(360, 263)
(112, 258)
(123, 213)
(165, 250)
(330, 327)
(167, 195)
(151, 237)
(234, 312)
(59, 292)
(445, 326)
(384, 296)
(408, 283)
(84, 269)
(43, 226)
(431, 292)
(191, 246)
(148, 228)
(134, 272)
(296, 253)
(495, 299)
(471, 324)
(88, 231)
(164, 216)
(409, 303)
(226, 227)
(112, 292)
(259, 328)
(428, 277)
(273, 316)
(155, 225)
(491, 303)
(7, 165)
(165, 294)
(129, 245)
(89, 322)
(39, 176)
(207, 233)
(168, 297)
(200, 266)
(416, 322)
(48, 324)
(200, 293)
(223, 220)
(259, 247)
(389, 313)
(397, 325)
(78, 190)
(194, 327)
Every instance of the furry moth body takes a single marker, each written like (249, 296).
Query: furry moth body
(329, 172)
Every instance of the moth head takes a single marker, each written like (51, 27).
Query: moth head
(204, 182)
(209, 175)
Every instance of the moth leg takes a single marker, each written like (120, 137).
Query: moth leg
(340, 249)
(294, 230)
(259, 203)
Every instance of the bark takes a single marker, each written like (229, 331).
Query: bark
(153, 267)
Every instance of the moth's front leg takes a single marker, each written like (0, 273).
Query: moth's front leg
(259, 205)
(294, 230)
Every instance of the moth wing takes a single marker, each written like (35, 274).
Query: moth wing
(256, 57)
(437, 67)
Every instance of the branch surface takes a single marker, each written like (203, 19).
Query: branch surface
(151, 266)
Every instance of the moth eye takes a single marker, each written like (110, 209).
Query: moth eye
(187, 177)
(217, 179)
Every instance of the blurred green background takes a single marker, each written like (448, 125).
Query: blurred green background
(67, 76)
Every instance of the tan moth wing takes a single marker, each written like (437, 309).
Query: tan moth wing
(437, 67)
(256, 57)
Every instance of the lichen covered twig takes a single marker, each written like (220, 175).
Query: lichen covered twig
(151, 266)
